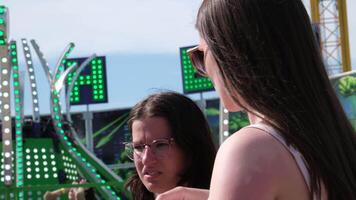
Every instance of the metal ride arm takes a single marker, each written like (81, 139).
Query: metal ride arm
(32, 78)
(331, 16)
(95, 171)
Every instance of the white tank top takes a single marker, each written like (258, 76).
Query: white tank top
(298, 157)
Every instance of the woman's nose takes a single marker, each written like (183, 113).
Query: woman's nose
(148, 156)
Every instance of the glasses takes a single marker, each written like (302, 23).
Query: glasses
(160, 148)
(197, 58)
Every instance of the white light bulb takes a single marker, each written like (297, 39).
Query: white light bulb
(7, 178)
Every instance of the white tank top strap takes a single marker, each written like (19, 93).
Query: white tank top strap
(298, 157)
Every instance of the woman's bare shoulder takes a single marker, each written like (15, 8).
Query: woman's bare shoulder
(252, 143)
(250, 164)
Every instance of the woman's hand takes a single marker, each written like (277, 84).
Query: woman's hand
(184, 193)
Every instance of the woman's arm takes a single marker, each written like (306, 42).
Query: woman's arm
(184, 193)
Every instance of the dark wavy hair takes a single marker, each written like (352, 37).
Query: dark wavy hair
(191, 133)
(267, 55)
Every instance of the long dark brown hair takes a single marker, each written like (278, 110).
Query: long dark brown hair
(191, 133)
(267, 54)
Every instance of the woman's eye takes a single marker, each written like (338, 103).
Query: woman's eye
(161, 145)
(139, 147)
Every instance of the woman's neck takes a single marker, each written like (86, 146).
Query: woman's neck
(254, 119)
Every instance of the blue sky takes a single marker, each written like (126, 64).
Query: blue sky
(139, 38)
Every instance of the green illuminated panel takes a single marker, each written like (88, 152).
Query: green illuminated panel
(41, 163)
(70, 169)
(2, 23)
(94, 77)
(192, 82)
(2, 9)
(18, 118)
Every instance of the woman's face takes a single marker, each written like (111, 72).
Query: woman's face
(160, 169)
(212, 71)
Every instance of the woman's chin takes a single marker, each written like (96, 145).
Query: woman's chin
(156, 190)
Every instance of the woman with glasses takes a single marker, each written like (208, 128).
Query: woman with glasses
(262, 58)
(171, 146)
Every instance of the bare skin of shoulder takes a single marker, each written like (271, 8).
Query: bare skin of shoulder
(251, 164)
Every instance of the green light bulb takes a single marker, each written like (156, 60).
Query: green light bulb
(2, 9)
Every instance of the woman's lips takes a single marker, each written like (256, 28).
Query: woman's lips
(151, 175)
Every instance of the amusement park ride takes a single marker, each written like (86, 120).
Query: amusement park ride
(32, 166)
(330, 16)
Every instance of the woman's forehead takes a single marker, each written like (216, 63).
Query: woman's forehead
(150, 129)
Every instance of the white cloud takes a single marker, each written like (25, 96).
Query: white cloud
(107, 26)
(104, 26)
